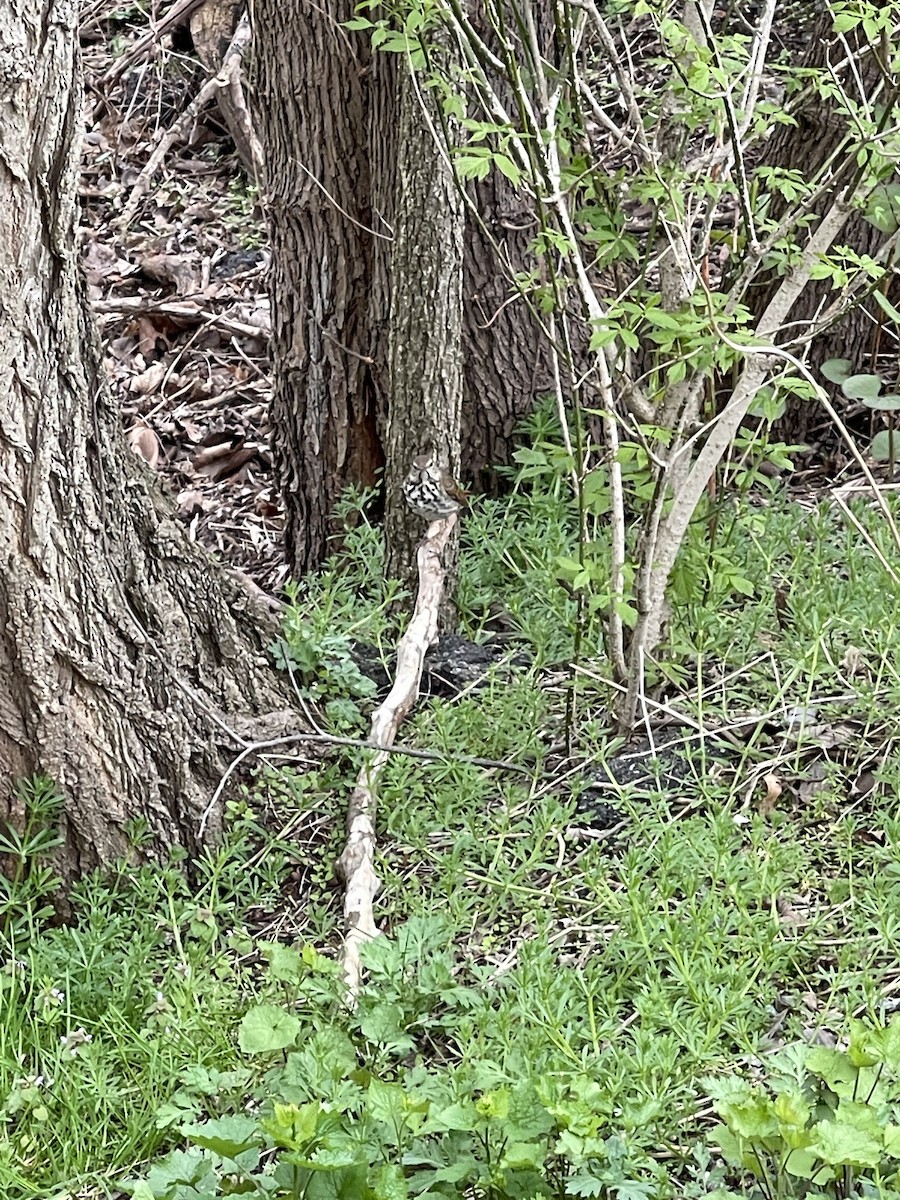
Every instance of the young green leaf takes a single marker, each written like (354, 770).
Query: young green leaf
(227, 1136)
(836, 370)
(885, 445)
(266, 1028)
(882, 301)
(861, 387)
(839, 1144)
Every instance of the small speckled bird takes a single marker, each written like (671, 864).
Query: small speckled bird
(431, 491)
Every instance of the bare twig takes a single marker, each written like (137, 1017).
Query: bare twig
(186, 310)
(176, 15)
(331, 739)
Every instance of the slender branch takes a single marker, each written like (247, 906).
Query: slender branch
(758, 54)
(356, 864)
(330, 739)
(656, 571)
(743, 189)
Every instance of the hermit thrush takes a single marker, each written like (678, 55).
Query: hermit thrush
(431, 491)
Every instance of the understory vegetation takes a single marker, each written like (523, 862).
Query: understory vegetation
(636, 969)
(604, 973)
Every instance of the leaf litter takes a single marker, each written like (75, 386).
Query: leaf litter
(180, 294)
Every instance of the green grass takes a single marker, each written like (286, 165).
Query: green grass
(99, 1018)
(593, 983)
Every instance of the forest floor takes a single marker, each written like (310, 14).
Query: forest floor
(596, 951)
(180, 291)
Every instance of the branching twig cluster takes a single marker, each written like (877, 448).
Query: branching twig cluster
(540, 91)
(227, 79)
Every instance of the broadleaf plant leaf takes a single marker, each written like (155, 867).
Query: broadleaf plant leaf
(883, 207)
(881, 445)
(883, 403)
(266, 1028)
(882, 301)
(836, 370)
(861, 387)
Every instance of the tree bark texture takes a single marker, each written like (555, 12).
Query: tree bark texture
(426, 321)
(508, 363)
(507, 355)
(312, 97)
(125, 655)
(329, 112)
(806, 148)
(506, 359)
(383, 134)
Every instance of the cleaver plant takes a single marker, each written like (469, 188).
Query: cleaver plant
(635, 131)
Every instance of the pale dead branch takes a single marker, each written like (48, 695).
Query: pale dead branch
(176, 15)
(227, 79)
(181, 310)
(356, 863)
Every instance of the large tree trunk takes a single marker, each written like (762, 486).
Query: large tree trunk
(508, 362)
(312, 96)
(507, 355)
(383, 145)
(328, 113)
(129, 662)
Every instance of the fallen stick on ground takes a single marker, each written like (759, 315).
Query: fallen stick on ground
(178, 13)
(356, 863)
(186, 310)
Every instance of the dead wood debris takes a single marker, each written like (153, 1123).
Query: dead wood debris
(356, 863)
(226, 80)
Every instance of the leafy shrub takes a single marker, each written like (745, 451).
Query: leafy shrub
(824, 1123)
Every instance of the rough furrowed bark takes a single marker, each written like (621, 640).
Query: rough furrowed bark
(508, 360)
(426, 322)
(507, 355)
(312, 80)
(131, 666)
(383, 132)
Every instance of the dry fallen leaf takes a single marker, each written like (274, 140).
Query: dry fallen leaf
(176, 269)
(190, 503)
(144, 442)
(103, 266)
(792, 912)
(211, 453)
(773, 790)
(225, 466)
(148, 334)
(148, 381)
(854, 661)
(863, 783)
(816, 780)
